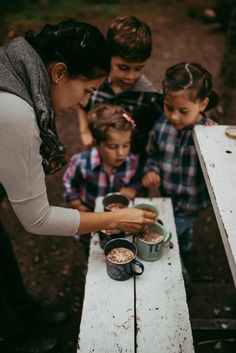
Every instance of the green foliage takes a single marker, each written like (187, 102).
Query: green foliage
(11, 6)
(38, 12)
(19, 15)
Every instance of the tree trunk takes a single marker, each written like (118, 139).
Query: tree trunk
(228, 74)
(44, 3)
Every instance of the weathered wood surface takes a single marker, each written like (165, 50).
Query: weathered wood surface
(217, 155)
(108, 311)
(107, 323)
(154, 303)
(162, 314)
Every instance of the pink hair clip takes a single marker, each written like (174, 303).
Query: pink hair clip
(129, 119)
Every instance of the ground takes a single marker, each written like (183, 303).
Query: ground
(54, 267)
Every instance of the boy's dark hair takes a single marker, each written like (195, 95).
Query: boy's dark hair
(129, 38)
(194, 78)
(103, 117)
(81, 46)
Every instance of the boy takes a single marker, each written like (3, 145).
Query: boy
(130, 43)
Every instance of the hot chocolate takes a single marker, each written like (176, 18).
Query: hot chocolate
(120, 255)
(115, 206)
(152, 237)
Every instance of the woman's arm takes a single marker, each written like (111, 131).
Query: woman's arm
(126, 219)
(22, 175)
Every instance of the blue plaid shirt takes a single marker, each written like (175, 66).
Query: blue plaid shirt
(143, 102)
(174, 157)
(85, 178)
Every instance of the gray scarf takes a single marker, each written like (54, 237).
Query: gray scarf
(23, 73)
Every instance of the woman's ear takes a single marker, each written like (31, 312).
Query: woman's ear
(57, 71)
(204, 104)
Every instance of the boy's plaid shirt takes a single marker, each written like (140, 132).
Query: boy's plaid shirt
(143, 102)
(174, 157)
(85, 179)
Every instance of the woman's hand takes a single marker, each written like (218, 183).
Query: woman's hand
(151, 179)
(133, 219)
(126, 219)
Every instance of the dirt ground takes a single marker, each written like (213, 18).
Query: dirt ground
(54, 268)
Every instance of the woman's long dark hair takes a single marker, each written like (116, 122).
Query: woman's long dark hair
(81, 46)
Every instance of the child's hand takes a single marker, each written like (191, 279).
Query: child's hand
(77, 204)
(84, 131)
(87, 139)
(129, 192)
(211, 123)
(151, 179)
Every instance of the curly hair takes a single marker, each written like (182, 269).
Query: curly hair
(103, 117)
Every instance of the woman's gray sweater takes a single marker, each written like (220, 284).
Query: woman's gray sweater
(22, 174)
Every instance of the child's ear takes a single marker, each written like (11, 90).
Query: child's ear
(204, 104)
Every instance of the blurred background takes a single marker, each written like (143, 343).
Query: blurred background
(54, 268)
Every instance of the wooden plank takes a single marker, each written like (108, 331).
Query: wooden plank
(107, 323)
(217, 155)
(214, 328)
(163, 323)
(206, 300)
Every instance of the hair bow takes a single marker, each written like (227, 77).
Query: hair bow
(129, 119)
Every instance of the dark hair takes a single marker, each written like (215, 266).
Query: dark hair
(103, 117)
(81, 46)
(194, 78)
(129, 38)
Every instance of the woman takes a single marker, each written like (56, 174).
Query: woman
(43, 74)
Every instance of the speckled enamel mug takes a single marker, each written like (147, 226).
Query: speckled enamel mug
(115, 198)
(147, 207)
(152, 251)
(123, 270)
(106, 236)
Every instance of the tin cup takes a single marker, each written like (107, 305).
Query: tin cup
(147, 207)
(122, 270)
(114, 201)
(151, 250)
(105, 236)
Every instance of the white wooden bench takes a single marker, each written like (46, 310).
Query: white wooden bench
(217, 155)
(146, 314)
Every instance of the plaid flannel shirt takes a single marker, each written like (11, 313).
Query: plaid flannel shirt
(143, 102)
(85, 178)
(174, 157)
